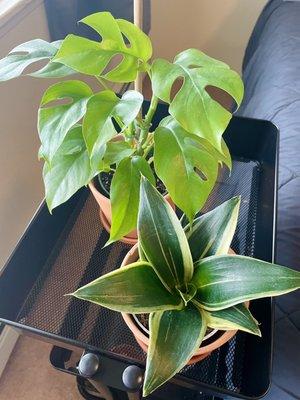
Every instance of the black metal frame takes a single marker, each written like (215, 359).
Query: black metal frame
(246, 138)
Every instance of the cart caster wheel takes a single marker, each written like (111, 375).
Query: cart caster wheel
(88, 392)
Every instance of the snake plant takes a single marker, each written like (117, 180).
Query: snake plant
(77, 124)
(186, 280)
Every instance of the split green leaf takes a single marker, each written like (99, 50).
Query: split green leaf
(76, 50)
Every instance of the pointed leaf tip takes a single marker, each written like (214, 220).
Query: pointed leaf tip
(174, 338)
(163, 239)
(235, 317)
(224, 281)
(212, 232)
(117, 292)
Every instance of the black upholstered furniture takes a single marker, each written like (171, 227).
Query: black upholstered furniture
(271, 72)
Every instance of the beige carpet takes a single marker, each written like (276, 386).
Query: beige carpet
(30, 376)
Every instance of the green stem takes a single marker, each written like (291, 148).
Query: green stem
(147, 123)
(148, 141)
(131, 129)
(147, 150)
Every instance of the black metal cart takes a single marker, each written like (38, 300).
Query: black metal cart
(59, 253)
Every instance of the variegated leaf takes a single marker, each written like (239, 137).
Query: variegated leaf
(223, 281)
(212, 232)
(132, 289)
(163, 239)
(174, 338)
(235, 317)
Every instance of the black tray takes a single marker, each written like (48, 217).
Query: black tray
(59, 253)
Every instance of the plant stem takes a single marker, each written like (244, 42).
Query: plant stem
(148, 119)
(147, 122)
(148, 141)
(147, 150)
(131, 129)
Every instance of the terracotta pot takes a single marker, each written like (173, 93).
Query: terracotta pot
(143, 340)
(105, 214)
(105, 209)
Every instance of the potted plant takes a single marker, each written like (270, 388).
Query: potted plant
(87, 134)
(186, 280)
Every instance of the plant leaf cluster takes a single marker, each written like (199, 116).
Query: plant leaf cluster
(186, 280)
(190, 139)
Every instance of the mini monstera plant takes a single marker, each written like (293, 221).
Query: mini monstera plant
(77, 126)
(186, 280)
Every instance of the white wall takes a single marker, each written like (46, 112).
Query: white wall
(21, 188)
(220, 28)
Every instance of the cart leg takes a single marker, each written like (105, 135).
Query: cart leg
(102, 389)
(134, 396)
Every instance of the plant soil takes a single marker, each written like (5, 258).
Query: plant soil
(103, 183)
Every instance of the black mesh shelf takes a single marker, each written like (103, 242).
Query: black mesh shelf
(60, 253)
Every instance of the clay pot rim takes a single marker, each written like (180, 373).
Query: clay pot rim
(143, 339)
(131, 238)
(144, 329)
(126, 239)
(92, 187)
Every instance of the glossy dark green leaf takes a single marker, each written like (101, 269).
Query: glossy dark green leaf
(55, 121)
(194, 171)
(192, 106)
(93, 58)
(142, 256)
(29, 53)
(133, 289)
(213, 231)
(98, 126)
(163, 239)
(125, 194)
(223, 281)
(174, 338)
(235, 317)
(70, 169)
